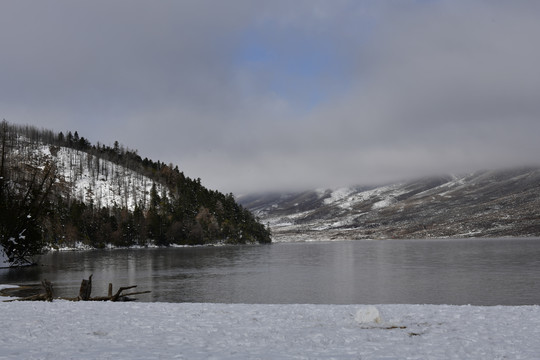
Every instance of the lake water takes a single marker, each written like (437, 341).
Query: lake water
(469, 271)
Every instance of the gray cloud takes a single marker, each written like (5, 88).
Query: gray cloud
(349, 92)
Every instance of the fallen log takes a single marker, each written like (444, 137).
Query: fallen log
(37, 297)
(119, 296)
(86, 289)
(85, 292)
(47, 296)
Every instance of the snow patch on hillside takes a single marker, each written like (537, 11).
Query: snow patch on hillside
(338, 195)
(100, 182)
(384, 203)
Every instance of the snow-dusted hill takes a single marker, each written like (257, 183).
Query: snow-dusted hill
(59, 190)
(86, 177)
(481, 204)
(93, 180)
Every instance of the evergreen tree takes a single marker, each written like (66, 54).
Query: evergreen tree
(22, 208)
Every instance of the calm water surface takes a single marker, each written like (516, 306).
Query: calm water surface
(472, 271)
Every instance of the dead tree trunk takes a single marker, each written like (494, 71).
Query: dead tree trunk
(48, 290)
(86, 289)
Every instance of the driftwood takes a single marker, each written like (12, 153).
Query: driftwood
(47, 296)
(85, 293)
(86, 290)
(119, 296)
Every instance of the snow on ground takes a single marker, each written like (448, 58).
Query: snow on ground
(92, 330)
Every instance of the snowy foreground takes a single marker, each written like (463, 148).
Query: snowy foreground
(91, 330)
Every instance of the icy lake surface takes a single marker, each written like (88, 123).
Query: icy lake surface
(458, 272)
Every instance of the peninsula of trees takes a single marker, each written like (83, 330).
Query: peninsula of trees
(59, 190)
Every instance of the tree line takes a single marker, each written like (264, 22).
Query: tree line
(38, 210)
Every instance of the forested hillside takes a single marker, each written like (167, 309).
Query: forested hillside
(59, 190)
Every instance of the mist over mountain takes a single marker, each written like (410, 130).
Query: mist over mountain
(497, 203)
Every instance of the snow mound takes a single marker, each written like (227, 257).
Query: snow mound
(368, 314)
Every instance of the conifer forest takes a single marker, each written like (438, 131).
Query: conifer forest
(58, 190)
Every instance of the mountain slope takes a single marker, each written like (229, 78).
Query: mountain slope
(91, 179)
(481, 204)
(60, 191)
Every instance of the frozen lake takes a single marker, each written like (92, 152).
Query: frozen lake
(468, 271)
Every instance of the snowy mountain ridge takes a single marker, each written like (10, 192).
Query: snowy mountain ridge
(481, 204)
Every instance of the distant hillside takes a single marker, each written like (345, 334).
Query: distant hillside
(482, 204)
(59, 190)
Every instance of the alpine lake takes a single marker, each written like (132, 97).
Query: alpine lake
(440, 271)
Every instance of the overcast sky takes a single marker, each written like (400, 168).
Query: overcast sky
(264, 95)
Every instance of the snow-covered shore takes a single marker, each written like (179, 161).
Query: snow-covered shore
(92, 330)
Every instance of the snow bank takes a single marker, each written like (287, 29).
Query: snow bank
(86, 330)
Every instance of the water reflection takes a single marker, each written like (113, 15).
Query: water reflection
(482, 272)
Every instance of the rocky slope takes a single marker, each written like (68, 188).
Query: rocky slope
(482, 204)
